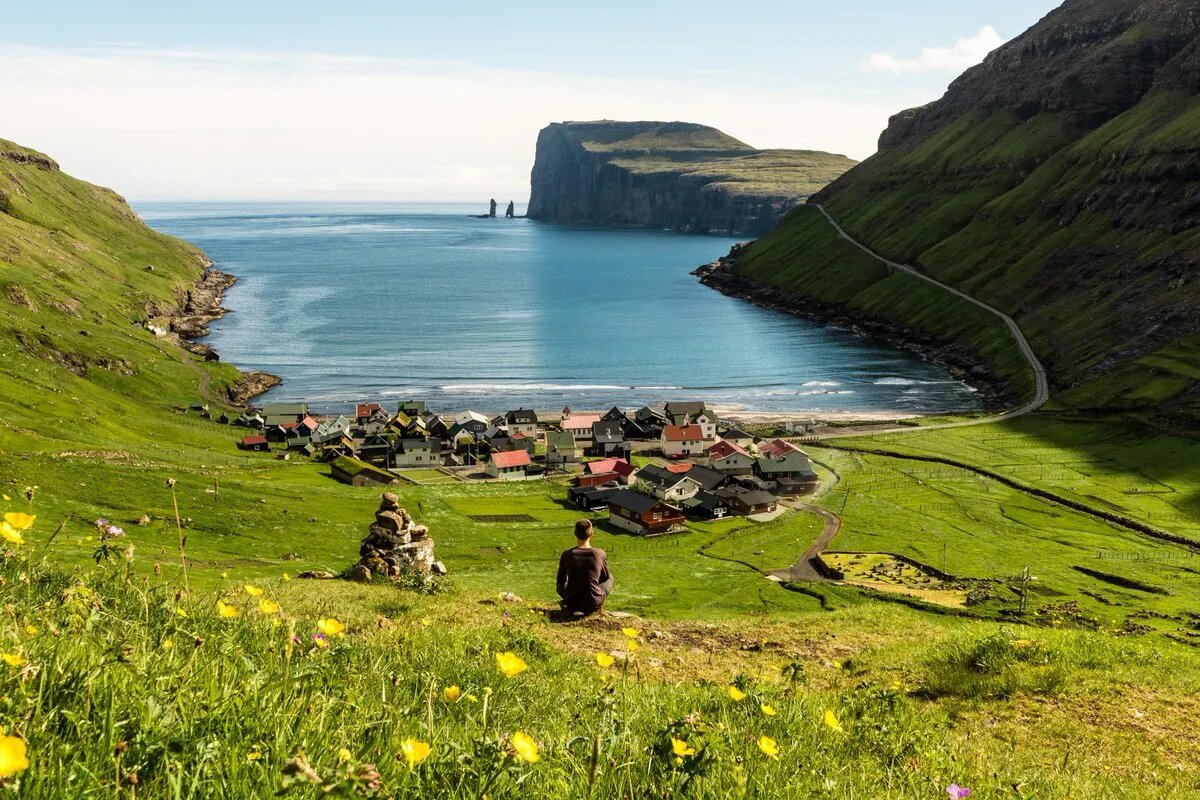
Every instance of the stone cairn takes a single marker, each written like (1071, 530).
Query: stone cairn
(395, 546)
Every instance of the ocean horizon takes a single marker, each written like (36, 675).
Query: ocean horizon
(387, 301)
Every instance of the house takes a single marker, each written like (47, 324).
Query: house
(377, 449)
(580, 426)
(738, 437)
(515, 442)
(510, 466)
(412, 408)
(680, 441)
(706, 505)
(624, 471)
(248, 420)
(608, 440)
(522, 421)
(343, 446)
(281, 433)
(590, 498)
(708, 479)
(370, 414)
(275, 414)
(255, 443)
(681, 413)
(307, 426)
(642, 514)
(730, 458)
(435, 425)
(409, 453)
(298, 443)
(780, 459)
(674, 487)
(750, 503)
(707, 420)
(359, 473)
(331, 430)
(560, 448)
(596, 479)
(646, 415)
(472, 422)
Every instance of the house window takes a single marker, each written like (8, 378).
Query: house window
(658, 516)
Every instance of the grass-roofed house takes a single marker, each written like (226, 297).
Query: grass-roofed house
(359, 473)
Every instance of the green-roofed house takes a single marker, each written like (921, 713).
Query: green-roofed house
(561, 448)
(359, 473)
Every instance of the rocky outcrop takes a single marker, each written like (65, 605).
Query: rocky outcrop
(674, 175)
(250, 386)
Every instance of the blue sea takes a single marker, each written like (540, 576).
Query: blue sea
(350, 302)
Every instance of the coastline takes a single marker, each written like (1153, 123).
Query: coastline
(724, 276)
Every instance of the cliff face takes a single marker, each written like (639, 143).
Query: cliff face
(669, 175)
(1059, 181)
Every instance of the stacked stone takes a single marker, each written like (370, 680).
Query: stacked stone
(395, 545)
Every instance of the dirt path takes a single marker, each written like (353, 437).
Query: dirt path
(204, 387)
(803, 569)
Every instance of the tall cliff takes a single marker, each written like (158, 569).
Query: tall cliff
(1058, 181)
(670, 175)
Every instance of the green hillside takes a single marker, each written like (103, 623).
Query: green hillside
(1056, 181)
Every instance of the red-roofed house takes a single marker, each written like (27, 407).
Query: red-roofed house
(680, 441)
(512, 465)
(598, 473)
(785, 467)
(369, 412)
(580, 426)
(730, 458)
(257, 443)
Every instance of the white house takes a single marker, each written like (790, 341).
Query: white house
(580, 426)
(521, 421)
(730, 458)
(673, 487)
(680, 441)
(509, 466)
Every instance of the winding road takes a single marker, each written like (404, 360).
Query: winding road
(803, 569)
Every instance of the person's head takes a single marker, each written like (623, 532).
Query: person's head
(583, 530)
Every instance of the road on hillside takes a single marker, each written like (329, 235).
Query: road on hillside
(803, 569)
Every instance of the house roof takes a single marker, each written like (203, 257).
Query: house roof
(514, 458)
(521, 416)
(685, 408)
(251, 440)
(561, 440)
(608, 430)
(606, 465)
(465, 417)
(285, 409)
(366, 409)
(577, 422)
(725, 449)
(755, 498)
(706, 500)
(737, 434)
(660, 477)
(778, 448)
(683, 433)
(679, 469)
(352, 466)
(308, 422)
(633, 501)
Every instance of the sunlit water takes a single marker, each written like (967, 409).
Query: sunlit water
(353, 302)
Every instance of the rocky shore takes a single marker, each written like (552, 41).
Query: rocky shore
(188, 319)
(724, 276)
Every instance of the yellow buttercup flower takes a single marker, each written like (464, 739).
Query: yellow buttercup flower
(268, 606)
(605, 660)
(632, 633)
(253, 591)
(330, 626)
(13, 659)
(451, 694)
(13, 756)
(1020, 644)
(736, 694)
(769, 746)
(524, 748)
(415, 752)
(11, 534)
(632, 645)
(472, 698)
(7, 499)
(254, 755)
(681, 749)
(510, 664)
(426, 622)
(31, 630)
(20, 520)
(181, 612)
(227, 611)
(167, 644)
(832, 723)
(768, 711)
(287, 577)
(345, 755)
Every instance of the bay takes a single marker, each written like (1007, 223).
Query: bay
(353, 302)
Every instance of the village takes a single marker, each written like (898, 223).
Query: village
(651, 470)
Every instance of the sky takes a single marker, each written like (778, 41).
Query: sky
(395, 101)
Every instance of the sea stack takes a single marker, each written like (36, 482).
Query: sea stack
(512, 210)
(492, 212)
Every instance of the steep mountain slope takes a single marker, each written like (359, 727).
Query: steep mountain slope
(670, 175)
(1059, 181)
(82, 282)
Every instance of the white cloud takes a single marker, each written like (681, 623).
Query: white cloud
(213, 124)
(963, 54)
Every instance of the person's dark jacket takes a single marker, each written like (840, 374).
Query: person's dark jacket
(583, 579)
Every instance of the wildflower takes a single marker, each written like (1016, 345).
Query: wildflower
(7, 499)
(330, 626)
(268, 606)
(524, 748)
(13, 757)
(832, 723)
(11, 534)
(13, 659)
(226, 611)
(631, 633)
(20, 520)
(681, 749)
(472, 698)
(319, 640)
(1021, 644)
(451, 694)
(605, 660)
(736, 694)
(167, 644)
(768, 746)
(253, 755)
(510, 664)
(253, 591)
(957, 792)
(31, 630)
(345, 755)
(632, 645)
(767, 710)
(181, 612)
(287, 577)
(414, 752)
(425, 622)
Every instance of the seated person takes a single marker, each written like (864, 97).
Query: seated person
(583, 577)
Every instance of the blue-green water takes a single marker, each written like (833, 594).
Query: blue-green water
(355, 302)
